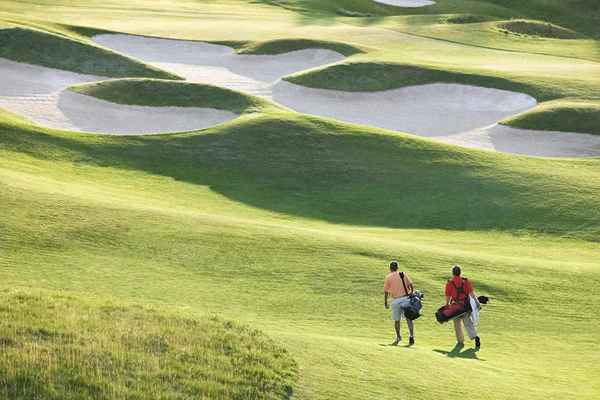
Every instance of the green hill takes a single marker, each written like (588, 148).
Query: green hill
(56, 346)
(114, 249)
(56, 51)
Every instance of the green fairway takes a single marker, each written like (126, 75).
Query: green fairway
(117, 252)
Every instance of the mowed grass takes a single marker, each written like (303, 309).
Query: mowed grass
(66, 53)
(203, 231)
(158, 93)
(561, 115)
(286, 45)
(287, 222)
(368, 76)
(57, 346)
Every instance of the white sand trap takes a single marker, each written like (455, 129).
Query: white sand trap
(406, 3)
(215, 64)
(528, 142)
(426, 110)
(39, 94)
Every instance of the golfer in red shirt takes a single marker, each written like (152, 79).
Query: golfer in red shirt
(458, 290)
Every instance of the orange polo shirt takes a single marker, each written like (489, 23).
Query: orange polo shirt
(393, 284)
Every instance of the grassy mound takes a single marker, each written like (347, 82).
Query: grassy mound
(561, 115)
(287, 45)
(536, 28)
(157, 93)
(373, 76)
(61, 52)
(464, 19)
(59, 347)
(312, 168)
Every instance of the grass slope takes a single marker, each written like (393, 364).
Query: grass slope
(61, 52)
(578, 15)
(355, 174)
(157, 220)
(286, 222)
(371, 76)
(62, 347)
(157, 93)
(286, 45)
(561, 115)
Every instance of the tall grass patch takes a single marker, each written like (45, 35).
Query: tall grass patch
(60, 347)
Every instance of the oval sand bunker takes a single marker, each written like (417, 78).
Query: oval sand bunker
(427, 110)
(40, 95)
(218, 65)
(88, 114)
(406, 3)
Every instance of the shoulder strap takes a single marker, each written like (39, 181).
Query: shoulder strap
(403, 283)
(459, 289)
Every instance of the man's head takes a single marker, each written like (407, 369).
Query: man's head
(456, 270)
(394, 266)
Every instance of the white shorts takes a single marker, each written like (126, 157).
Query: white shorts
(398, 306)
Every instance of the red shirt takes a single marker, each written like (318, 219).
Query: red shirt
(453, 293)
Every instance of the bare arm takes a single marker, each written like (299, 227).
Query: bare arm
(385, 299)
(448, 298)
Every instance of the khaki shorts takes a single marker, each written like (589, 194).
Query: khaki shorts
(398, 306)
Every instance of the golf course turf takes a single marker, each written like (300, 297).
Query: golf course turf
(117, 252)
(59, 346)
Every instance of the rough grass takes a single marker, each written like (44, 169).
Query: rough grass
(536, 28)
(372, 76)
(287, 45)
(62, 52)
(62, 347)
(464, 19)
(561, 115)
(158, 93)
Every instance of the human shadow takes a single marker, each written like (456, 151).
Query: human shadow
(405, 345)
(457, 352)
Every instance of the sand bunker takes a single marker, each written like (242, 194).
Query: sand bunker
(40, 94)
(454, 114)
(218, 65)
(406, 3)
(528, 142)
(426, 110)
(457, 114)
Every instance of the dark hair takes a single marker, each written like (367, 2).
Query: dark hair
(456, 270)
(394, 265)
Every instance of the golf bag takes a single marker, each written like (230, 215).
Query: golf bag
(451, 311)
(413, 310)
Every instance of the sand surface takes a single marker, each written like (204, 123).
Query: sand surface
(39, 94)
(218, 65)
(456, 114)
(406, 3)
(507, 139)
(426, 110)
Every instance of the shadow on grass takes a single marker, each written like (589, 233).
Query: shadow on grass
(328, 171)
(457, 352)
